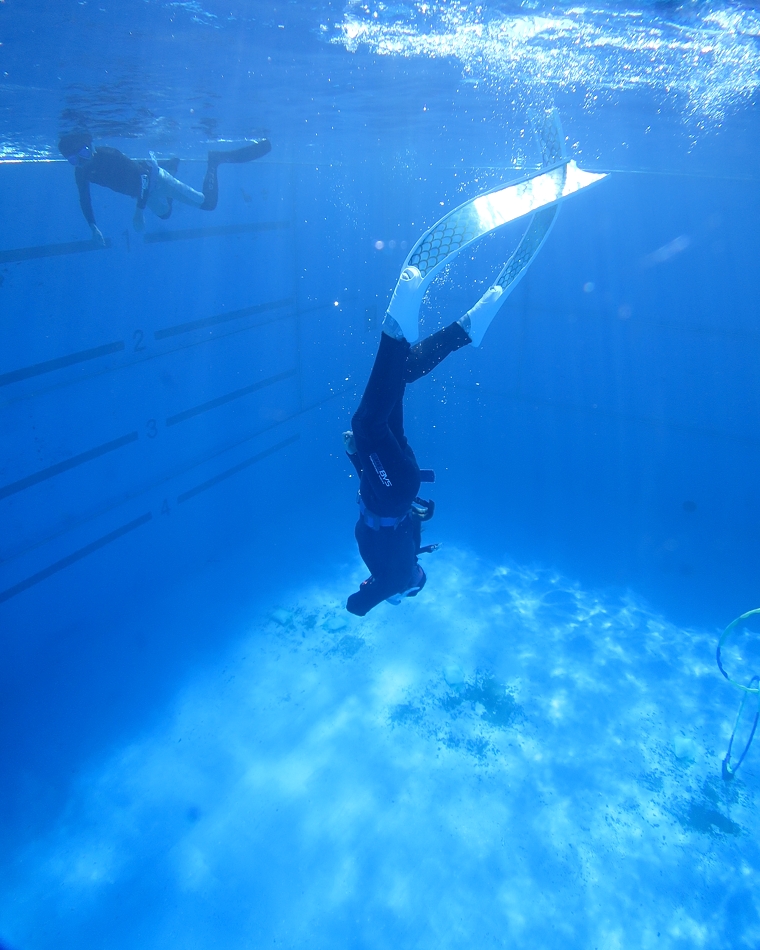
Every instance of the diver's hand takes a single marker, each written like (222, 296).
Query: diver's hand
(481, 315)
(97, 235)
(405, 302)
(349, 442)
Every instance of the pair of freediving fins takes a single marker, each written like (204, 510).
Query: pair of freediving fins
(538, 194)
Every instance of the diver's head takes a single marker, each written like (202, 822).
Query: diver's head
(76, 147)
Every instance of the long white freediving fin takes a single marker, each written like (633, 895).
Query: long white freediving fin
(538, 193)
(551, 141)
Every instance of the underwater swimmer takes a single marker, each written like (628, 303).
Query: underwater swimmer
(151, 183)
(388, 530)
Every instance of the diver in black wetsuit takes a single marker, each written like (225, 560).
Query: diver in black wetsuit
(151, 183)
(388, 529)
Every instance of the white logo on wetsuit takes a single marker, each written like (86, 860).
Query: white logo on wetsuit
(378, 467)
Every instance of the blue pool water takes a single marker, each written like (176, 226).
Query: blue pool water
(201, 747)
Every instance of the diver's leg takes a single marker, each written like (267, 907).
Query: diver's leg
(428, 353)
(157, 200)
(238, 156)
(388, 464)
(396, 424)
(478, 318)
(384, 389)
(170, 164)
(174, 188)
(160, 205)
(421, 359)
(163, 189)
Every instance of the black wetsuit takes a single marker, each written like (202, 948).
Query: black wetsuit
(112, 169)
(390, 475)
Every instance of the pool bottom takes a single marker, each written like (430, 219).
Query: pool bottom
(506, 760)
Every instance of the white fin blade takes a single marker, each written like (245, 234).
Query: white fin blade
(551, 139)
(531, 243)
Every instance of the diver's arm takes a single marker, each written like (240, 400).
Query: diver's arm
(354, 460)
(349, 444)
(85, 202)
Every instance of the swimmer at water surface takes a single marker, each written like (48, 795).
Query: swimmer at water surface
(151, 183)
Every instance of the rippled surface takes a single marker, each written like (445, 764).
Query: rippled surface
(707, 55)
(181, 74)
